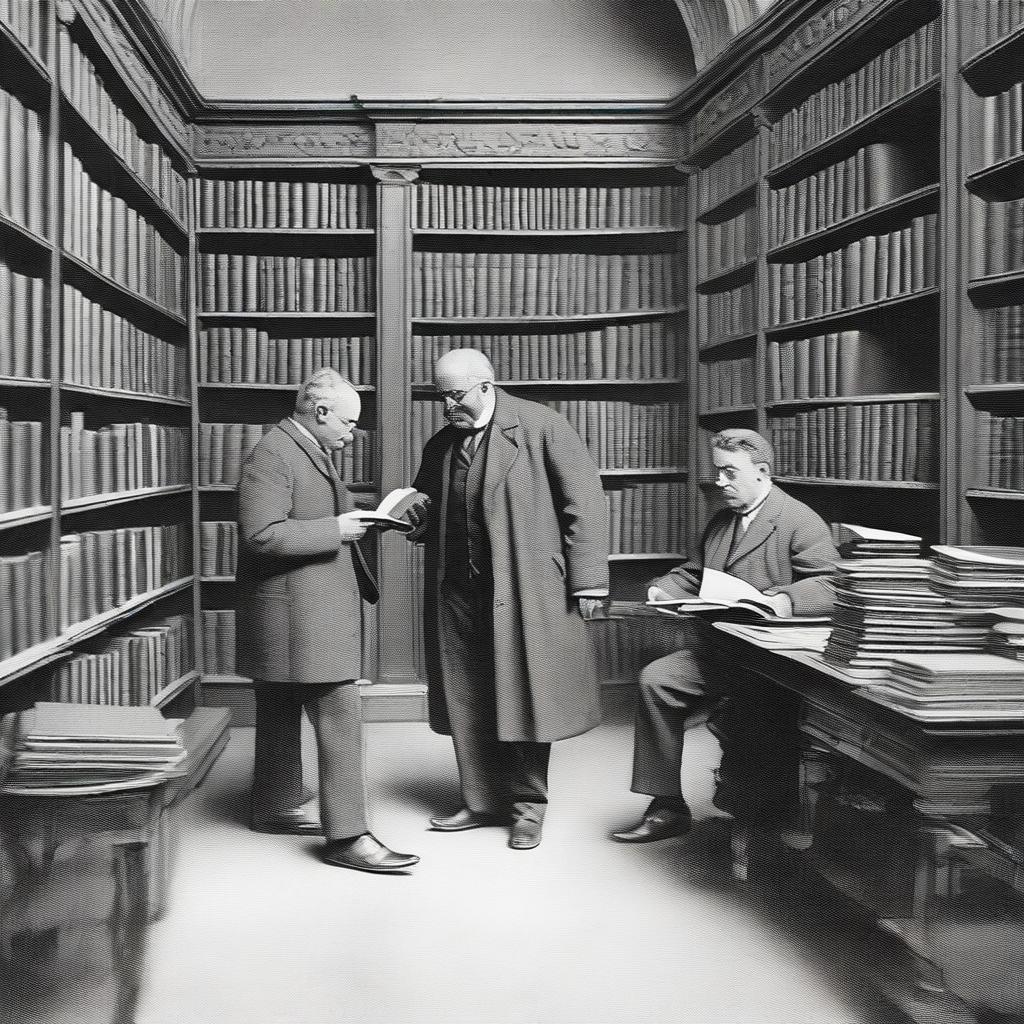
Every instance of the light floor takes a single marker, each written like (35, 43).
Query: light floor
(578, 931)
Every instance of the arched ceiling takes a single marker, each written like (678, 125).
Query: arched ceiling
(510, 49)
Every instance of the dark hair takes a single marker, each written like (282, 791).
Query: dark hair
(740, 439)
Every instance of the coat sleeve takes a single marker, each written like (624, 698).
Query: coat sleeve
(264, 507)
(582, 508)
(814, 557)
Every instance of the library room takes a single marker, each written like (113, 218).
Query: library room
(527, 489)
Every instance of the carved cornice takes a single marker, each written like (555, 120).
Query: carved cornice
(815, 34)
(725, 107)
(283, 141)
(124, 53)
(662, 142)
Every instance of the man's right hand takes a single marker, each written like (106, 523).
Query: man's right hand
(350, 527)
(657, 594)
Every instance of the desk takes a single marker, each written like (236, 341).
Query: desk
(955, 774)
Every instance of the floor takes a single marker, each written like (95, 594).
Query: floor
(578, 931)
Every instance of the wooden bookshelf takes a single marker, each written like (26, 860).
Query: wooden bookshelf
(125, 396)
(995, 67)
(999, 182)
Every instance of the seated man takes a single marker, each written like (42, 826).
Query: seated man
(773, 542)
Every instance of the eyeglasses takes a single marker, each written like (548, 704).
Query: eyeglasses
(342, 419)
(456, 396)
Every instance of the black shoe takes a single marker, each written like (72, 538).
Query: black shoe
(658, 823)
(462, 820)
(293, 822)
(526, 834)
(366, 853)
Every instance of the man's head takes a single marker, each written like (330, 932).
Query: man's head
(328, 407)
(743, 461)
(464, 379)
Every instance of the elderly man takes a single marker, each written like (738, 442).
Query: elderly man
(517, 551)
(301, 581)
(773, 542)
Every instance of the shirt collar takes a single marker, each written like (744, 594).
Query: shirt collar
(752, 510)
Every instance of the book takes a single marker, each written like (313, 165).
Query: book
(720, 591)
(388, 515)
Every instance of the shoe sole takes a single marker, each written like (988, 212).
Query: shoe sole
(287, 830)
(435, 827)
(370, 869)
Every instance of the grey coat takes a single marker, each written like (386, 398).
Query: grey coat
(299, 612)
(547, 521)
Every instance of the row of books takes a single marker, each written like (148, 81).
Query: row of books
(991, 20)
(727, 313)
(727, 244)
(872, 441)
(524, 208)
(27, 20)
(248, 355)
(22, 192)
(647, 517)
(121, 457)
(874, 175)
(119, 242)
(104, 350)
(620, 435)
(22, 319)
(219, 641)
(103, 569)
(1001, 352)
(872, 268)
(727, 175)
(148, 161)
(834, 365)
(1001, 128)
(21, 464)
(313, 205)
(999, 450)
(23, 612)
(726, 382)
(895, 72)
(997, 237)
(128, 668)
(652, 348)
(454, 284)
(245, 282)
(218, 548)
(223, 448)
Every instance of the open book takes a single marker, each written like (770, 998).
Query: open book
(390, 513)
(719, 591)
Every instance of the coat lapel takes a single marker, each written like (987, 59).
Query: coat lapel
(760, 529)
(502, 447)
(718, 545)
(320, 460)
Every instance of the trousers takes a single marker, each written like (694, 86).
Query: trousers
(495, 776)
(336, 715)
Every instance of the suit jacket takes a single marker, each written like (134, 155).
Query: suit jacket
(299, 613)
(787, 548)
(546, 518)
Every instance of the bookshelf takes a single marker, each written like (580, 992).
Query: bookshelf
(94, 377)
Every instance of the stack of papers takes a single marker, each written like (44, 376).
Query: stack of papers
(981, 576)
(1006, 637)
(855, 541)
(68, 747)
(973, 685)
(885, 607)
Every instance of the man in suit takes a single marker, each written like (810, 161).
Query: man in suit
(517, 552)
(773, 542)
(301, 581)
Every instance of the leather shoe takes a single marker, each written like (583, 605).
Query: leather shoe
(525, 834)
(660, 823)
(462, 820)
(293, 822)
(366, 853)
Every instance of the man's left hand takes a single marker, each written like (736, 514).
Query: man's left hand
(781, 602)
(592, 607)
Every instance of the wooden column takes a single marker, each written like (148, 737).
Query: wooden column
(398, 610)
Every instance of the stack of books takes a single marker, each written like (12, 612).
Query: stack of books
(64, 748)
(854, 541)
(984, 576)
(885, 609)
(939, 686)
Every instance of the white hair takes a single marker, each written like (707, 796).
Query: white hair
(326, 385)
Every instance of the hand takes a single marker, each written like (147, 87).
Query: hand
(657, 594)
(350, 527)
(592, 607)
(418, 512)
(781, 602)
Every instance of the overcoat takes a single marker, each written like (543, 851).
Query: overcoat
(299, 610)
(787, 547)
(547, 521)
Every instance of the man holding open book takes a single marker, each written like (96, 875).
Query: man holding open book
(769, 541)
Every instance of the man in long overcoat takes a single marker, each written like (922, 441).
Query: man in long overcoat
(517, 545)
(301, 580)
